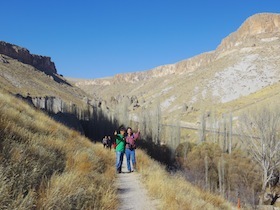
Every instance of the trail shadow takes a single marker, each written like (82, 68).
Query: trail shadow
(161, 153)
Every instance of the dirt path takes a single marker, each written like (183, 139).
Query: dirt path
(132, 194)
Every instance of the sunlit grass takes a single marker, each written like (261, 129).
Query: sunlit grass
(173, 190)
(45, 165)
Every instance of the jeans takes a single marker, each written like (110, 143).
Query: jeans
(130, 154)
(119, 161)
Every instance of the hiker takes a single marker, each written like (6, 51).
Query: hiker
(109, 143)
(104, 141)
(130, 148)
(120, 148)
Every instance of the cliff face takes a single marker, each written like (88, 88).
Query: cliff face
(254, 26)
(42, 63)
(185, 66)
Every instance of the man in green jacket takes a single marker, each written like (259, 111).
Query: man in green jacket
(120, 148)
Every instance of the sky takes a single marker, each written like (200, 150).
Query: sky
(95, 39)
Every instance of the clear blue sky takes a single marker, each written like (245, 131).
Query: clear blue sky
(93, 39)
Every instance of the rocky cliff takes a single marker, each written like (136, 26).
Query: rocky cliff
(255, 26)
(23, 55)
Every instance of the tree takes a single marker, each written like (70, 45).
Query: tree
(175, 137)
(143, 122)
(156, 123)
(230, 134)
(202, 128)
(260, 134)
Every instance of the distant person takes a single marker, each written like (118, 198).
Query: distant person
(104, 141)
(120, 148)
(130, 148)
(109, 143)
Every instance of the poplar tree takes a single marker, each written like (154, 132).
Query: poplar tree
(260, 134)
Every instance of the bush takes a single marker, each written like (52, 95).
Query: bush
(228, 174)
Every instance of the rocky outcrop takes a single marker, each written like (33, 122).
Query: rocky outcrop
(3, 59)
(42, 63)
(259, 24)
(50, 104)
(188, 65)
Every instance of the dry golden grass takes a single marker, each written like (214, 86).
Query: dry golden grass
(173, 190)
(45, 165)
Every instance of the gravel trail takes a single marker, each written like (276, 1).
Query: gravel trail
(132, 194)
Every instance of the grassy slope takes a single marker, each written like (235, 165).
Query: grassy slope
(19, 78)
(47, 166)
(44, 165)
(174, 191)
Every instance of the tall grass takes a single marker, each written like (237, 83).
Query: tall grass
(174, 191)
(44, 165)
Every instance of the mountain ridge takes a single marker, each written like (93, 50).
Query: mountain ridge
(245, 62)
(42, 63)
(256, 24)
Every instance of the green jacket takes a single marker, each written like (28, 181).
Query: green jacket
(120, 141)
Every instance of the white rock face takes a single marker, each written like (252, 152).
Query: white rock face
(242, 79)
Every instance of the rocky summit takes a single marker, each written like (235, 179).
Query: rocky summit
(23, 55)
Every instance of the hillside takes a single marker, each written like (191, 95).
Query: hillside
(35, 79)
(45, 165)
(234, 76)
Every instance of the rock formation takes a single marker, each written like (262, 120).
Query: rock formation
(259, 24)
(42, 63)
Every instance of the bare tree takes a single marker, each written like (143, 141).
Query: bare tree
(213, 126)
(225, 139)
(175, 137)
(156, 123)
(227, 133)
(122, 111)
(206, 172)
(202, 128)
(143, 122)
(260, 133)
(230, 134)
(221, 174)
